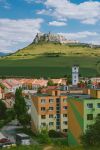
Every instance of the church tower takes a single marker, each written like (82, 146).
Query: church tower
(75, 75)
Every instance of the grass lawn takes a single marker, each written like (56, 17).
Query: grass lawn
(51, 60)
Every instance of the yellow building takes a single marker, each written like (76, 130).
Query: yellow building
(49, 111)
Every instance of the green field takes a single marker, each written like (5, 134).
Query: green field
(51, 60)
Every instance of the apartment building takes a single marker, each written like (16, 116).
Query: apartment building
(49, 110)
(82, 111)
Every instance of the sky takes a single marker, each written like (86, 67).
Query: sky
(21, 20)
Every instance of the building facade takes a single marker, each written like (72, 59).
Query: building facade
(82, 111)
(49, 111)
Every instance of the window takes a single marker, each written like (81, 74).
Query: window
(50, 108)
(74, 68)
(43, 101)
(42, 108)
(51, 123)
(65, 122)
(57, 108)
(58, 127)
(90, 117)
(58, 100)
(50, 100)
(50, 116)
(64, 115)
(57, 123)
(98, 105)
(43, 124)
(65, 107)
(58, 116)
(75, 77)
(64, 100)
(90, 105)
(43, 116)
(98, 115)
(65, 130)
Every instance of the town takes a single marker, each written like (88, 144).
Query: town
(62, 108)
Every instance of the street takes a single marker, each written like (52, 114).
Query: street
(10, 130)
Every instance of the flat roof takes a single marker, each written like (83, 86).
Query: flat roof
(22, 135)
(82, 97)
(46, 94)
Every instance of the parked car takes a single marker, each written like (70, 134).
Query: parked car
(4, 140)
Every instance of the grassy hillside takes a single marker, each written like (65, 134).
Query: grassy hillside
(51, 60)
(51, 147)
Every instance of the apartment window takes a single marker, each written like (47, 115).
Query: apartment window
(65, 130)
(58, 127)
(43, 116)
(58, 116)
(65, 107)
(43, 101)
(90, 117)
(65, 122)
(50, 116)
(58, 120)
(57, 123)
(43, 124)
(90, 105)
(64, 100)
(98, 115)
(42, 108)
(57, 108)
(64, 115)
(51, 123)
(50, 108)
(50, 100)
(58, 100)
(98, 105)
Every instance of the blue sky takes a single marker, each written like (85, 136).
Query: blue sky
(20, 20)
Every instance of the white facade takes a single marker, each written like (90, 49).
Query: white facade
(75, 75)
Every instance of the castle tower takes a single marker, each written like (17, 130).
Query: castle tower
(75, 75)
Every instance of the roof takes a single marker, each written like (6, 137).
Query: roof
(79, 96)
(1, 136)
(22, 135)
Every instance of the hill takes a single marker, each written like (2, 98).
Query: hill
(3, 54)
(51, 60)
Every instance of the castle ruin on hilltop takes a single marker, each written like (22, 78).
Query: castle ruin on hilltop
(54, 38)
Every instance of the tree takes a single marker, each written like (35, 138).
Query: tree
(3, 109)
(69, 80)
(92, 135)
(21, 108)
(50, 83)
(44, 137)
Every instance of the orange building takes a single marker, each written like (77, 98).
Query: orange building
(49, 111)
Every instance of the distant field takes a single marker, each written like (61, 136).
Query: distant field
(51, 60)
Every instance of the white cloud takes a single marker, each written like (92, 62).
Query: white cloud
(14, 33)
(57, 23)
(84, 36)
(5, 4)
(79, 35)
(87, 12)
(33, 1)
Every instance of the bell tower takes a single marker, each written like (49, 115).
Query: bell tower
(75, 75)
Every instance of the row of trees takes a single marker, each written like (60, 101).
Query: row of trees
(21, 110)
